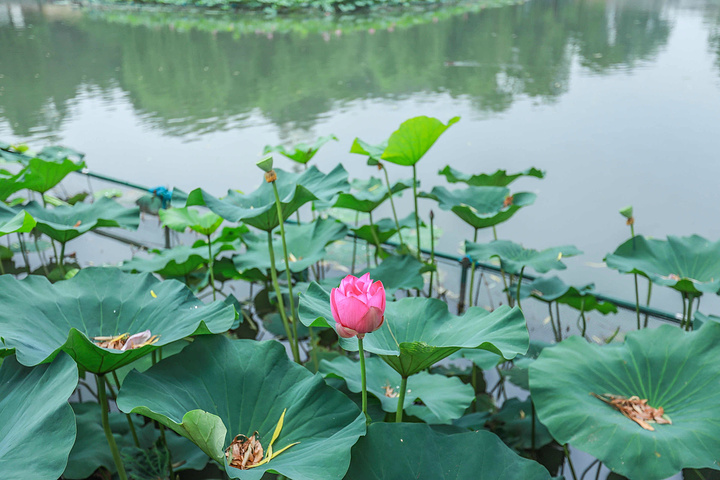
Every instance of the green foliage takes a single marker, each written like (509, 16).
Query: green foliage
(514, 257)
(409, 143)
(22, 222)
(498, 179)
(180, 219)
(367, 195)
(302, 152)
(552, 289)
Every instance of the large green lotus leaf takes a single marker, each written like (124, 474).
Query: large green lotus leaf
(384, 229)
(425, 331)
(367, 195)
(498, 179)
(672, 369)
(552, 289)
(305, 242)
(373, 152)
(408, 144)
(21, 222)
(514, 256)
(221, 388)
(445, 398)
(413, 451)
(302, 152)
(687, 264)
(258, 208)
(91, 450)
(180, 219)
(65, 223)
(36, 417)
(40, 319)
(481, 207)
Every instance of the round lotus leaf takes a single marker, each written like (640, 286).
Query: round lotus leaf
(419, 332)
(40, 319)
(514, 257)
(669, 368)
(413, 451)
(37, 425)
(687, 264)
(217, 388)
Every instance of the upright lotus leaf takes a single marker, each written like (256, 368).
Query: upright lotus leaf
(688, 264)
(670, 368)
(36, 417)
(498, 179)
(514, 257)
(302, 152)
(367, 195)
(11, 222)
(180, 219)
(414, 451)
(373, 152)
(221, 388)
(258, 208)
(65, 223)
(552, 289)
(306, 244)
(39, 176)
(481, 207)
(40, 319)
(443, 398)
(407, 145)
(384, 229)
(419, 332)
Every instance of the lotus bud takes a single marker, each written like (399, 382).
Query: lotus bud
(358, 306)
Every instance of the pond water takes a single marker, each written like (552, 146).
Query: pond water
(618, 100)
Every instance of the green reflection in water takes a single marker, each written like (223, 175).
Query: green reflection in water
(188, 73)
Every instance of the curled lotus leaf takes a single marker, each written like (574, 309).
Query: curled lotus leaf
(180, 219)
(66, 222)
(443, 398)
(258, 208)
(21, 222)
(40, 319)
(500, 178)
(367, 195)
(414, 451)
(301, 152)
(221, 388)
(306, 244)
(481, 207)
(669, 368)
(690, 265)
(373, 152)
(36, 417)
(553, 289)
(418, 332)
(514, 257)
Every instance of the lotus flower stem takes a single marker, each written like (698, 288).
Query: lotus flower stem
(401, 399)
(688, 323)
(637, 302)
(23, 251)
(552, 322)
(582, 315)
(559, 325)
(363, 380)
(375, 237)
(102, 394)
(129, 418)
(355, 239)
(164, 441)
(417, 215)
(569, 460)
(392, 203)
(61, 260)
(519, 284)
(211, 267)
(288, 273)
(281, 303)
(472, 273)
(684, 298)
(432, 253)
(648, 301)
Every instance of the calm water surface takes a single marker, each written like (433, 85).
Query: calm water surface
(618, 100)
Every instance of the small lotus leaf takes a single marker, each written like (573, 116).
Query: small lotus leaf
(669, 368)
(373, 152)
(552, 289)
(258, 208)
(443, 398)
(481, 207)
(65, 223)
(40, 319)
(367, 195)
(407, 145)
(513, 256)
(221, 388)
(36, 417)
(384, 229)
(413, 451)
(302, 152)
(498, 179)
(180, 219)
(687, 264)
(419, 332)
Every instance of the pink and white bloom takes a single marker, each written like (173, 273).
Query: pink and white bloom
(136, 340)
(358, 306)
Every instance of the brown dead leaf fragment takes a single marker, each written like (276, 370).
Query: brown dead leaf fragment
(636, 409)
(508, 201)
(244, 452)
(390, 392)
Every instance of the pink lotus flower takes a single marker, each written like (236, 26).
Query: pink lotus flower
(358, 306)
